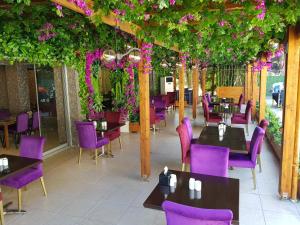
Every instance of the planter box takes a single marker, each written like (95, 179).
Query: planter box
(134, 127)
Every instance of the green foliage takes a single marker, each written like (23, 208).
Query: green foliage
(274, 128)
(119, 80)
(240, 39)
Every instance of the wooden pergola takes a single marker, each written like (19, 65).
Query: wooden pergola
(291, 123)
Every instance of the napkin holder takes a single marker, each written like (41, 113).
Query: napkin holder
(164, 179)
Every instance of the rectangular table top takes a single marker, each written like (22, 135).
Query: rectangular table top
(109, 127)
(17, 164)
(8, 121)
(223, 100)
(216, 193)
(234, 138)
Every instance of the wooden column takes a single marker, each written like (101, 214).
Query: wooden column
(248, 85)
(144, 118)
(290, 114)
(262, 92)
(175, 79)
(297, 145)
(181, 91)
(203, 80)
(254, 93)
(195, 89)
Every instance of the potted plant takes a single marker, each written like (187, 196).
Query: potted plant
(134, 122)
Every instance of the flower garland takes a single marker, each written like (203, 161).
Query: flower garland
(259, 64)
(261, 6)
(46, 32)
(132, 102)
(146, 52)
(82, 5)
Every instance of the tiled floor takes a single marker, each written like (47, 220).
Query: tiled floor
(112, 193)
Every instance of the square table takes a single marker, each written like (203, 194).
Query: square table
(16, 164)
(234, 138)
(216, 193)
(110, 127)
(225, 112)
(222, 100)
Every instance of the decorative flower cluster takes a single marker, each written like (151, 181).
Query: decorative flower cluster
(172, 2)
(118, 14)
(186, 18)
(261, 6)
(132, 103)
(82, 4)
(129, 4)
(59, 10)
(146, 52)
(46, 32)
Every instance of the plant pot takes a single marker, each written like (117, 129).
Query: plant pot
(134, 127)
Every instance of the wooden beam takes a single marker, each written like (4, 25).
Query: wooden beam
(203, 80)
(248, 85)
(181, 91)
(254, 93)
(143, 75)
(290, 113)
(262, 93)
(297, 146)
(195, 89)
(111, 20)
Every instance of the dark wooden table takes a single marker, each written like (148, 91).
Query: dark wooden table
(223, 100)
(5, 123)
(216, 193)
(221, 109)
(16, 164)
(234, 138)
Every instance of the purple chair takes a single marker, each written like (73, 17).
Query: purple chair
(113, 117)
(35, 125)
(208, 116)
(249, 160)
(209, 160)
(21, 127)
(243, 118)
(263, 124)
(30, 147)
(185, 144)
(240, 101)
(188, 125)
(154, 119)
(178, 214)
(88, 139)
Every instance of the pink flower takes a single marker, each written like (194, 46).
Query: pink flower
(172, 2)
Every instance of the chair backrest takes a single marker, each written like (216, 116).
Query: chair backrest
(172, 97)
(205, 110)
(184, 140)
(4, 114)
(178, 214)
(35, 120)
(87, 135)
(188, 125)
(209, 160)
(113, 117)
(263, 124)
(255, 143)
(32, 147)
(241, 100)
(208, 97)
(152, 115)
(22, 122)
(248, 111)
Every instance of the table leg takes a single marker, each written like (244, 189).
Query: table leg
(6, 137)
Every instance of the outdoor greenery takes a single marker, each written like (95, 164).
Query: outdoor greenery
(274, 128)
(205, 29)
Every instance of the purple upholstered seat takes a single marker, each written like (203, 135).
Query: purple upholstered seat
(243, 118)
(87, 137)
(21, 127)
(208, 116)
(185, 144)
(31, 147)
(209, 160)
(249, 160)
(263, 124)
(178, 214)
(188, 124)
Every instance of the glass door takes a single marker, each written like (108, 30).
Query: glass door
(51, 105)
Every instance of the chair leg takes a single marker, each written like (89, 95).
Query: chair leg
(43, 186)
(120, 142)
(1, 213)
(20, 200)
(109, 150)
(254, 178)
(259, 162)
(183, 167)
(80, 153)
(154, 128)
(96, 156)
(165, 122)
(247, 129)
